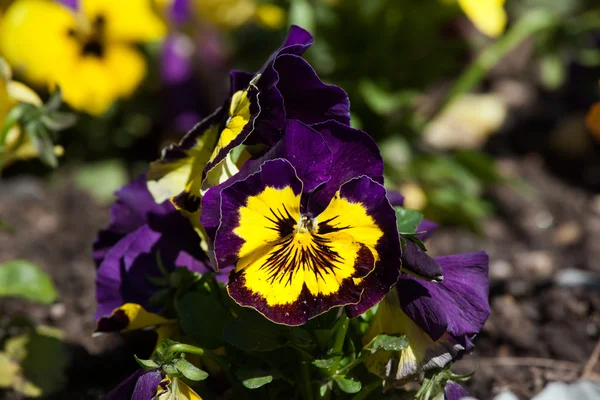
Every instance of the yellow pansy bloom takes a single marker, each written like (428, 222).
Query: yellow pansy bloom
(488, 16)
(89, 53)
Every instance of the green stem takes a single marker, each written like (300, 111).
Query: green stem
(367, 390)
(338, 344)
(306, 387)
(532, 22)
(186, 348)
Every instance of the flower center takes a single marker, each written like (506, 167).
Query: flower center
(307, 225)
(91, 38)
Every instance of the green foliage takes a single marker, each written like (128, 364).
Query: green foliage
(189, 370)
(407, 220)
(348, 385)
(253, 377)
(253, 332)
(20, 278)
(34, 363)
(38, 125)
(102, 179)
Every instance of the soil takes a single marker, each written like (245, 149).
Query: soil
(544, 270)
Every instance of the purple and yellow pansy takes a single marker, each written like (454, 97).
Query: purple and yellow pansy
(308, 226)
(440, 320)
(286, 87)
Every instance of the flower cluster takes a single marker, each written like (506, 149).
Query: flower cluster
(276, 196)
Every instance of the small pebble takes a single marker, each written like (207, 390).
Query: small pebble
(567, 234)
(57, 311)
(500, 270)
(537, 264)
(544, 220)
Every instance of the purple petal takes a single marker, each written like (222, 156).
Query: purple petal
(146, 386)
(354, 154)
(454, 391)
(141, 385)
(306, 97)
(308, 153)
(395, 198)
(418, 261)
(129, 212)
(180, 11)
(72, 4)
(459, 305)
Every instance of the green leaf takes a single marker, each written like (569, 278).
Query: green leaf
(253, 332)
(325, 363)
(407, 220)
(146, 364)
(383, 102)
(253, 378)
(189, 370)
(58, 121)
(203, 317)
(41, 140)
(102, 179)
(552, 71)
(20, 278)
(54, 102)
(348, 385)
(389, 343)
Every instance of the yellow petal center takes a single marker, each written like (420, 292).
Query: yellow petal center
(285, 252)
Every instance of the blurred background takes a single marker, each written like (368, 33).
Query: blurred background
(484, 111)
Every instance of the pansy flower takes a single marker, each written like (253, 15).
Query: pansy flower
(144, 241)
(88, 51)
(308, 226)
(151, 385)
(286, 87)
(439, 319)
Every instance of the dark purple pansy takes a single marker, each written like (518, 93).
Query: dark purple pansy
(458, 306)
(286, 87)
(454, 391)
(141, 385)
(308, 225)
(127, 251)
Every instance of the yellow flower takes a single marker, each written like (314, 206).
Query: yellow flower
(16, 146)
(230, 14)
(488, 16)
(88, 53)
